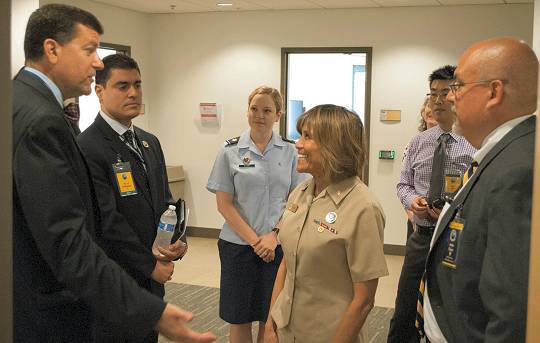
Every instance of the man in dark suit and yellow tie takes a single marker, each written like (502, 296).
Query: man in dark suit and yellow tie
(63, 281)
(477, 269)
(113, 146)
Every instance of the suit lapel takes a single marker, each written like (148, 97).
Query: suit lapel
(458, 201)
(124, 153)
(35, 82)
(38, 84)
(520, 130)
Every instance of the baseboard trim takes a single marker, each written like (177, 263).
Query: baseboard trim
(393, 249)
(206, 232)
(203, 232)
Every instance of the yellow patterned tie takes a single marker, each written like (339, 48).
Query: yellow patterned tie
(419, 323)
(469, 173)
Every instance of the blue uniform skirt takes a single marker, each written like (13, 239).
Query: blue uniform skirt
(246, 283)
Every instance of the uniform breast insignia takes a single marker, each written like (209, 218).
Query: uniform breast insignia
(292, 208)
(145, 144)
(246, 160)
(232, 141)
(330, 217)
(322, 226)
(288, 140)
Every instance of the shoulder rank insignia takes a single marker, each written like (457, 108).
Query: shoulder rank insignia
(288, 140)
(232, 141)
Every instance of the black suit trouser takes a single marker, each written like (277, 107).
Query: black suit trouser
(402, 328)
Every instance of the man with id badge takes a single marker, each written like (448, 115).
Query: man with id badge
(128, 170)
(476, 280)
(431, 175)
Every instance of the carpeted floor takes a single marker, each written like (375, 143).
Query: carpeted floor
(203, 302)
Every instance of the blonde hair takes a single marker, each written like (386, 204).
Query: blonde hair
(274, 94)
(340, 135)
(423, 124)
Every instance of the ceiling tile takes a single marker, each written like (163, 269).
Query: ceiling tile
(470, 2)
(285, 4)
(156, 6)
(187, 6)
(345, 3)
(399, 3)
(238, 5)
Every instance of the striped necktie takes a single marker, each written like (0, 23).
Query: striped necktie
(129, 139)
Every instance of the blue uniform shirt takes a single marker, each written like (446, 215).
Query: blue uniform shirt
(260, 191)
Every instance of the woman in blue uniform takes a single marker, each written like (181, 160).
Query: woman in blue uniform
(252, 177)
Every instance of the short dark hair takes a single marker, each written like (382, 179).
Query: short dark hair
(443, 73)
(57, 22)
(116, 61)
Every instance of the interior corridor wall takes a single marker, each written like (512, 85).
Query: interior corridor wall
(20, 12)
(536, 29)
(221, 57)
(125, 27)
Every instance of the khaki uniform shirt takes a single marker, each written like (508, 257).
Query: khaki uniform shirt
(324, 258)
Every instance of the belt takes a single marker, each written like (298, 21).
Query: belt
(425, 230)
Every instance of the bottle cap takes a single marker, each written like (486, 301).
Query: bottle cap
(172, 207)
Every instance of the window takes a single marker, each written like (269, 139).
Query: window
(315, 76)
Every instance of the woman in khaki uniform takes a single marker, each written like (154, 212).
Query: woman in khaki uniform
(332, 237)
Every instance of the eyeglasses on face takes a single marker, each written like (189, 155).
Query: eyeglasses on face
(456, 84)
(433, 96)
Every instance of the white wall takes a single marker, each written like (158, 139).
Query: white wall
(189, 58)
(20, 11)
(124, 27)
(536, 30)
(223, 56)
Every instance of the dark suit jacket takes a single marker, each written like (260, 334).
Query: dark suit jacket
(130, 222)
(62, 279)
(485, 298)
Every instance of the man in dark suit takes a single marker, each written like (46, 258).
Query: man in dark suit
(477, 269)
(63, 280)
(130, 217)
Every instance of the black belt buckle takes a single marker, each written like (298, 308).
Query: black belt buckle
(425, 230)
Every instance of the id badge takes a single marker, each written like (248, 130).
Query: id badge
(124, 179)
(452, 182)
(452, 239)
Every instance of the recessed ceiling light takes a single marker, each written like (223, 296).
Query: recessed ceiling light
(224, 4)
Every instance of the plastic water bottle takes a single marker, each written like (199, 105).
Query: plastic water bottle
(165, 229)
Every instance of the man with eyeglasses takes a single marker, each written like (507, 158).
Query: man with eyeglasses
(477, 269)
(431, 174)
